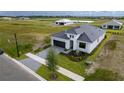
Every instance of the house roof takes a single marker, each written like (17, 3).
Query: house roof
(114, 22)
(60, 35)
(84, 37)
(64, 20)
(87, 33)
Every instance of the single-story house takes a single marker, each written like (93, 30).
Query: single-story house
(113, 24)
(84, 38)
(6, 18)
(64, 22)
(24, 18)
(82, 21)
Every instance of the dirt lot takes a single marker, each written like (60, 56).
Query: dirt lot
(112, 55)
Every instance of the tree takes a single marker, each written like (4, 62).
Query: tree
(52, 63)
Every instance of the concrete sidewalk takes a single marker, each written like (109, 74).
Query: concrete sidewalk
(61, 70)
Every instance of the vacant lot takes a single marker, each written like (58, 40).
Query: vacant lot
(30, 33)
(112, 55)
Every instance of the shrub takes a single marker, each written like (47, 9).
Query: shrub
(77, 56)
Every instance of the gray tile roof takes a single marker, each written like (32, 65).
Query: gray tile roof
(90, 33)
(60, 35)
(84, 37)
(87, 33)
(113, 22)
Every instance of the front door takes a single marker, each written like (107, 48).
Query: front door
(71, 44)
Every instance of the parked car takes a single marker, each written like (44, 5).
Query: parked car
(1, 51)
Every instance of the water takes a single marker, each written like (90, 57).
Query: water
(62, 13)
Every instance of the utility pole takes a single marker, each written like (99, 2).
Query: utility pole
(17, 48)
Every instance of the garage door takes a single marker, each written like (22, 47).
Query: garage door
(59, 43)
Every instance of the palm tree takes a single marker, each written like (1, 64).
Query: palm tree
(52, 63)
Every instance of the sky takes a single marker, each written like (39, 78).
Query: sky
(61, 13)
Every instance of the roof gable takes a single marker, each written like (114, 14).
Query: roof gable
(84, 37)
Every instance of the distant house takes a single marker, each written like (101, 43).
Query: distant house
(82, 21)
(63, 22)
(6, 18)
(84, 38)
(24, 18)
(113, 24)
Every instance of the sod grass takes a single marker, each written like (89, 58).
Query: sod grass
(45, 73)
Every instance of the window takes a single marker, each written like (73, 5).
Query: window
(71, 36)
(104, 25)
(116, 27)
(82, 45)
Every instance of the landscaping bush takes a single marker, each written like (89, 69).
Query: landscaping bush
(77, 59)
(77, 56)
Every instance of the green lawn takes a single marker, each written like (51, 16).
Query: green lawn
(45, 73)
(103, 75)
(77, 67)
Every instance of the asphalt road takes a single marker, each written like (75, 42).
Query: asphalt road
(10, 71)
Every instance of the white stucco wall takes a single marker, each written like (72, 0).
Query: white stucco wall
(90, 46)
(68, 23)
(96, 43)
(74, 40)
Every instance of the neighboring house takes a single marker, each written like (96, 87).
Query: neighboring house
(81, 21)
(84, 38)
(63, 22)
(113, 24)
(6, 18)
(24, 18)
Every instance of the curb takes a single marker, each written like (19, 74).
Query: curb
(26, 68)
